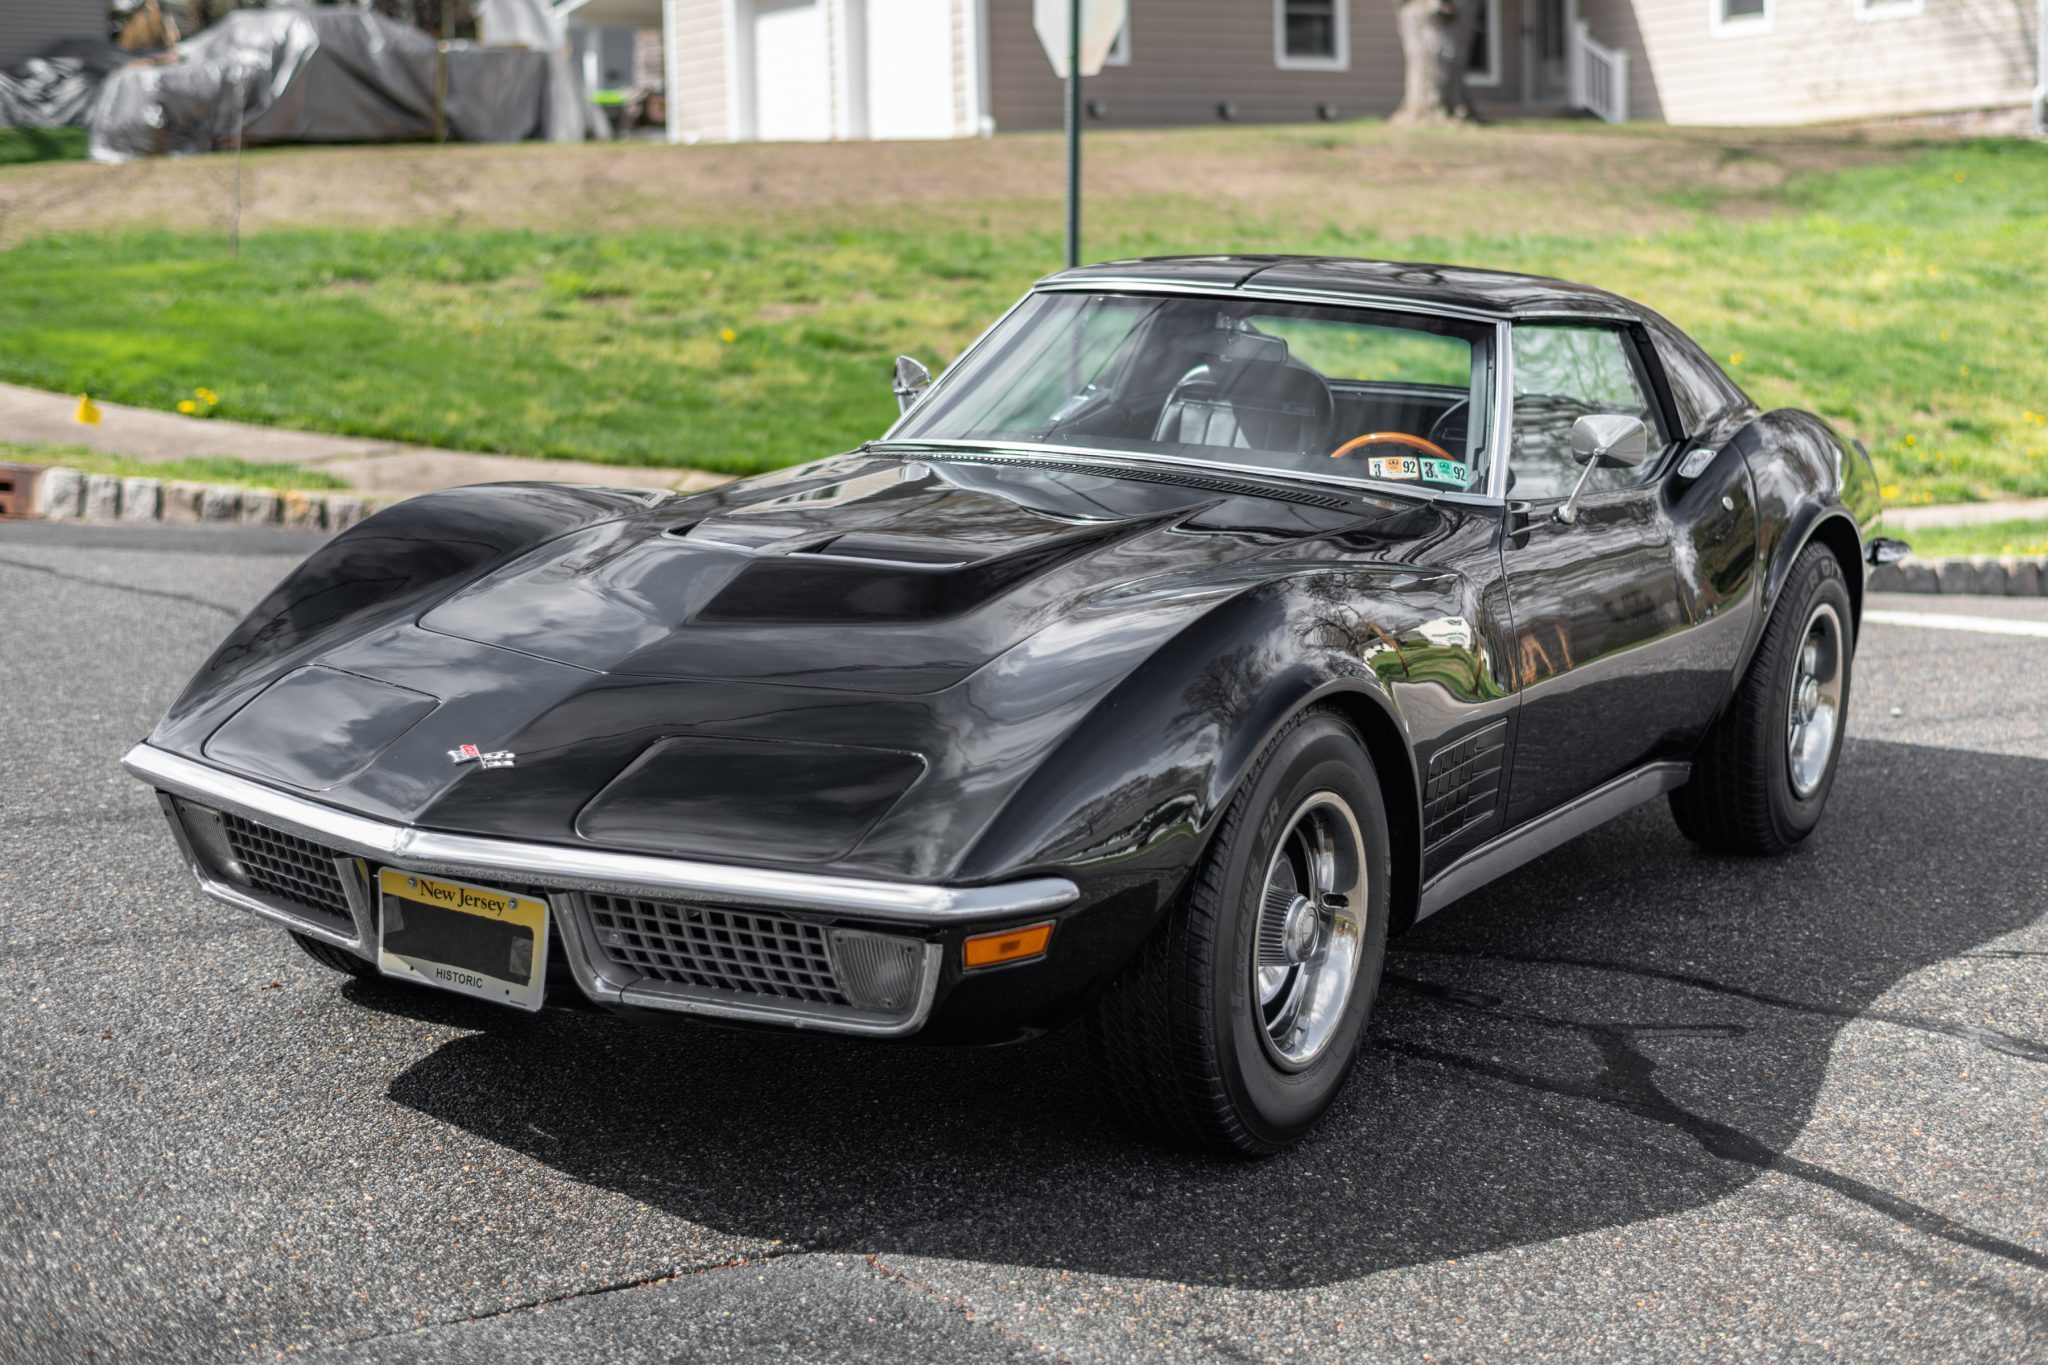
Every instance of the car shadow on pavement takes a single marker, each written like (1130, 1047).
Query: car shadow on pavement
(1624, 1029)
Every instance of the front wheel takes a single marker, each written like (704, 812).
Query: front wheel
(1763, 774)
(1238, 1022)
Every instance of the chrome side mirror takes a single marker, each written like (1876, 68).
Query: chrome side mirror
(1609, 440)
(912, 379)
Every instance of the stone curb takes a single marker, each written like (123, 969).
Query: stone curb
(1957, 577)
(63, 494)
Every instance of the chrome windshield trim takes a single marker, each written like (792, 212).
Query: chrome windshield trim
(1110, 458)
(1143, 284)
(1503, 410)
(593, 869)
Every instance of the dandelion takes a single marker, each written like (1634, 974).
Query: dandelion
(1911, 441)
(1888, 491)
(1966, 371)
(728, 335)
(1933, 269)
(1945, 334)
(1961, 176)
(187, 406)
(1736, 357)
(207, 396)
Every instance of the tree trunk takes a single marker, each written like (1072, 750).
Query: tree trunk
(1436, 35)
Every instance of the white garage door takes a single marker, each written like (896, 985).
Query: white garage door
(910, 68)
(791, 99)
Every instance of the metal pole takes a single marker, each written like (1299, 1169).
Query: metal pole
(235, 221)
(2041, 70)
(1073, 134)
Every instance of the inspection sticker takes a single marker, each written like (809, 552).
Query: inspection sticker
(1446, 471)
(1394, 467)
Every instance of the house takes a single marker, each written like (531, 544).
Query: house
(824, 69)
(27, 27)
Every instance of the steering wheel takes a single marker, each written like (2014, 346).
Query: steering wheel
(1394, 438)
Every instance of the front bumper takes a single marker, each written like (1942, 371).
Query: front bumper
(754, 944)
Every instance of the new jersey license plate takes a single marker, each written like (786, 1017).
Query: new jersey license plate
(474, 940)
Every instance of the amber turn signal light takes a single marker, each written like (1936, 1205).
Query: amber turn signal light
(1010, 945)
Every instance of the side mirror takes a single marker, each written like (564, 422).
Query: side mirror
(1609, 440)
(912, 379)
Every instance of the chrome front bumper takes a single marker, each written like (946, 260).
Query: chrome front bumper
(569, 876)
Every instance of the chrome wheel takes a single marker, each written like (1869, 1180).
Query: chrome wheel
(1311, 931)
(1814, 712)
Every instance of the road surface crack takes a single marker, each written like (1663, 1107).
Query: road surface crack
(231, 613)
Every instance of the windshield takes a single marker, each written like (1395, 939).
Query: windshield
(1350, 392)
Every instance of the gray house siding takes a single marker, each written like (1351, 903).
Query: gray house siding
(1818, 60)
(1188, 56)
(29, 26)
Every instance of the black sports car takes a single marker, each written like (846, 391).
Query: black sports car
(1209, 621)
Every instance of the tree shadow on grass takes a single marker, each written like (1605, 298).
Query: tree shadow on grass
(1624, 1029)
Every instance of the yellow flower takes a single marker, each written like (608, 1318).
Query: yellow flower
(1910, 441)
(1944, 334)
(1736, 358)
(187, 406)
(1933, 269)
(1961, 176)
(207, 396)
(88, 411)
(728, 334)
(1888, 492)
(1966, 371)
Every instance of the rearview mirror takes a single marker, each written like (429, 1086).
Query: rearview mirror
(912, 379)
(1611, 440)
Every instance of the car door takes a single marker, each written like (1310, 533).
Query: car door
(1599, 617)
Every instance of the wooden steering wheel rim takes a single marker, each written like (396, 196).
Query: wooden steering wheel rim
(1393, 438)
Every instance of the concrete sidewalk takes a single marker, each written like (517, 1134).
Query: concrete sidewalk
(386, 470)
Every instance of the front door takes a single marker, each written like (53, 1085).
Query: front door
(1599, 620)
(1546, 44)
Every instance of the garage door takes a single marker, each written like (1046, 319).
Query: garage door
(791, 99)
(910, 68)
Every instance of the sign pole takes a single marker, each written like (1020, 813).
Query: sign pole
(1073, 134)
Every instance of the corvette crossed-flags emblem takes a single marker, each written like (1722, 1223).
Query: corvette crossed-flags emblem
(469, 753)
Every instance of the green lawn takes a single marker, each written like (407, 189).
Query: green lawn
(201, 469)
(19, 146)
(1902, 299)
(1998, 538)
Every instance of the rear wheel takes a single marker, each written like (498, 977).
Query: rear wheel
(1239, 1020)
(1763, 774)
(329, 956)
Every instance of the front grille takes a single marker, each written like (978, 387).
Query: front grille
(720, 950)
(288, 867)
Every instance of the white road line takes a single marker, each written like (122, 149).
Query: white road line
(1983, 625)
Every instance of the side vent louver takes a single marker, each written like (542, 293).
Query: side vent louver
(1461, 791)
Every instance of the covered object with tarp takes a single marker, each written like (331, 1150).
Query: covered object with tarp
(317, 75)
(56, 88)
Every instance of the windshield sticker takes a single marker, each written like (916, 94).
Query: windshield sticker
(1394, 467)
(1446, 471)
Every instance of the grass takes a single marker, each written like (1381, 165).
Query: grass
(20, 146)
(1898, 299)
(1996, 539)
(199, 469)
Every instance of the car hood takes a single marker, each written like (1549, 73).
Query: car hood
(853, 664)
(886, 576)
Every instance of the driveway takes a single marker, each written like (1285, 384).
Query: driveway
(1632, 1101)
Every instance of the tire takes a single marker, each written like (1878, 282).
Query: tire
(1186, 1043)
(1760, 782)
(331, 957)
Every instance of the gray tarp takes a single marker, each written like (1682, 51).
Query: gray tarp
(55, 89)
(314, 75)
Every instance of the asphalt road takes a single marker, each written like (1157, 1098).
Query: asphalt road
(1633, 1101)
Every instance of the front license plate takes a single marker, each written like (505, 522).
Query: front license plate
(474, 940)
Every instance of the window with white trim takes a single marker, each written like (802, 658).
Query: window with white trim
(1482, 62)
(1888, 9)
(1312, 35)
(1120, 50)
(1732, 18)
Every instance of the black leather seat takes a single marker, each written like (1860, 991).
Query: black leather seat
(1249, 405)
